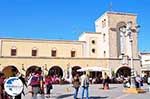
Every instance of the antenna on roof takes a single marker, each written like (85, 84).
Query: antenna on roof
(110, 6)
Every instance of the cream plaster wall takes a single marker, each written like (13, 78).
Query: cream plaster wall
(61, 62)
(24, 47)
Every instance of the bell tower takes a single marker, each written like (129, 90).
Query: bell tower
(112, 25)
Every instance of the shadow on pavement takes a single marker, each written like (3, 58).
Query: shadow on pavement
(64, 96)
(110, 88)
(98, 97)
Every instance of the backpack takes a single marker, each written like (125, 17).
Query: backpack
(86, 82)
(76, 82)
(35, 81)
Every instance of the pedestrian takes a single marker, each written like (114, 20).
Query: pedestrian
(138, 81)
(126, 82)
(106, 81)
(49, 87)
(20, 76)
(15, 73)
(2, 78)
(148, 82)
(37, 84)
(85, 85)
(76, 85)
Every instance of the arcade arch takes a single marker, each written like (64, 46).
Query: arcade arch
(10, 70)
(123, 71)
(56, 71)
(31, 69)
(74, 70)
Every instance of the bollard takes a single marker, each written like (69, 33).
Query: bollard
(67, 90)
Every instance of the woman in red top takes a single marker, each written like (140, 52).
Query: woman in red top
(48, 83)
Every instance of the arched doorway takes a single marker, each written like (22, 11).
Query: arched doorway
(56, 71)
(123, 71)
(30, 70)
(74, 70)
(10, 71)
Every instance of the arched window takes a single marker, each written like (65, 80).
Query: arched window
(53, 52)
(13, 51)
(121, 40)
(73, 53)
(34, 51)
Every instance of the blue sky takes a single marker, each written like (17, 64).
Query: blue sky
(66, 19)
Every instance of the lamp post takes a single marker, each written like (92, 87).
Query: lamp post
(129, 34)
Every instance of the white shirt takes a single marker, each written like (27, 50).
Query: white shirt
(84, 79)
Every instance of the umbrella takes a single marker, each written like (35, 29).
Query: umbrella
(94, 69)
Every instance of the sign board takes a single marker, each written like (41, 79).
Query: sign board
(13, 86)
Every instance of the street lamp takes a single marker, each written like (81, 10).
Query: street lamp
(129, 34)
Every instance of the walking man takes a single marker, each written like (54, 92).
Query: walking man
(85, 85)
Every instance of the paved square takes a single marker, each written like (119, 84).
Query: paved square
(95, 92)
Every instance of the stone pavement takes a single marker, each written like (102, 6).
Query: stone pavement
(95, 92)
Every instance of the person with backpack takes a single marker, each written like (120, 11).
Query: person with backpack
(85, 85)
(76, 85)
(37, 83)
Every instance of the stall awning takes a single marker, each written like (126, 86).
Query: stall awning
(93, 69)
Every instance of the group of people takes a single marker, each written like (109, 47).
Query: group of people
(84, 82)
(138, 81)
(3, 94)
(35, 83)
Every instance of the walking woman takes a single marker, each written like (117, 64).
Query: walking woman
(76, 85)
(106, 82)
(48, 83)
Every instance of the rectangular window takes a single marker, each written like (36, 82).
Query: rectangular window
(34, 52)
(104, 53)
(13, 52)
(104, 37)
(53, 54)
(73, 53)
